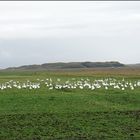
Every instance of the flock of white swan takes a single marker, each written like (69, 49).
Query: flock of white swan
(73, 83)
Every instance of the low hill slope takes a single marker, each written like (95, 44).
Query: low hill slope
(70, 65)
(134, 65)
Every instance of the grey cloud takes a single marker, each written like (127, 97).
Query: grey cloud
(69, 31)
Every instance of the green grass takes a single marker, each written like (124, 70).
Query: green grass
(68, 114)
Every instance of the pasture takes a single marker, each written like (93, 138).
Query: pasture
(80, 104)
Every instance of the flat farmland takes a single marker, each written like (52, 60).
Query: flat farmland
(70, 104)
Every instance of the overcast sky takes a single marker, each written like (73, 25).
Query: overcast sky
(41, 32)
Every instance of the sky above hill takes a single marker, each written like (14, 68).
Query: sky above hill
(41, 32)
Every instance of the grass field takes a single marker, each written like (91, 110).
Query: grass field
(40, 114)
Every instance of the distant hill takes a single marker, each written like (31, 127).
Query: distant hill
(70, 65)
(134, 65)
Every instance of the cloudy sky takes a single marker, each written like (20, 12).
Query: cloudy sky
(41, 32)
